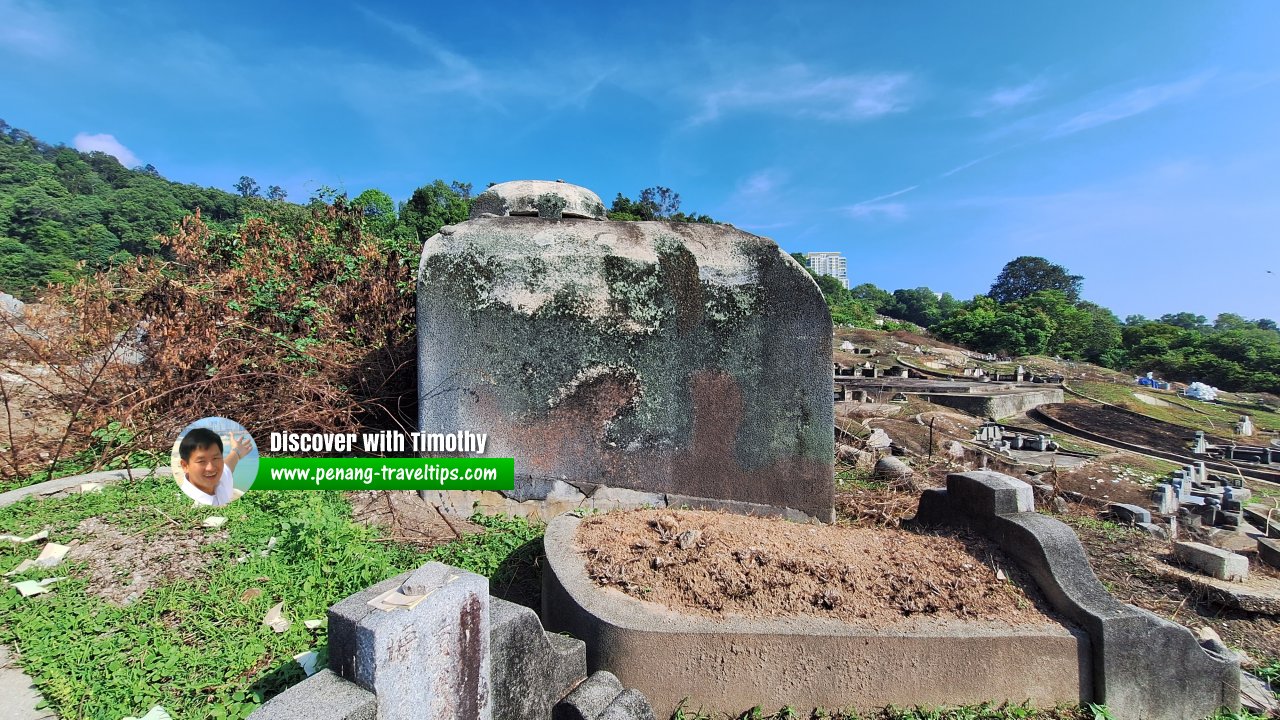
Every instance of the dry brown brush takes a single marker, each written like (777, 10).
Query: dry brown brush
(298, 322)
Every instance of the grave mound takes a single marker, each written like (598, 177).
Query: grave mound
(714, 564)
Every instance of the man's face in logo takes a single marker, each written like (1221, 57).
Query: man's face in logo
(204, 468)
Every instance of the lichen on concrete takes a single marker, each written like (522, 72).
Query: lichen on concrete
(653, 356)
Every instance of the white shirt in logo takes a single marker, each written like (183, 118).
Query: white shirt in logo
(221, 494)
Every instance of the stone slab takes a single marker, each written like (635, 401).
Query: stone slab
(1259, 594)
(990, 493)
(323, 695)
(589, 699)
(532, 669)
(1265, 517)
(1124, 512)
(1212, 561)
(57, 485)
(1269, 552)
(20, 695)
(629, 705)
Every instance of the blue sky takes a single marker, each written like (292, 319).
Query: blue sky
(1136, 143)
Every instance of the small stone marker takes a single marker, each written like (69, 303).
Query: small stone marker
(1212, 561)
(1125, 512)
(1245, 426)
(428, 658)
(1165, 499)
(1269, 552)
(214, 522)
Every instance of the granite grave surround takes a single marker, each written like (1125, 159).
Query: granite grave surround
(1103, 651)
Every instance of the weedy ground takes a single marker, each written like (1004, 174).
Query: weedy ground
(192, 639)
(193, 642)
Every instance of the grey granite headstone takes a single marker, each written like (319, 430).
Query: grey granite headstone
(430, 662)
(680, 358)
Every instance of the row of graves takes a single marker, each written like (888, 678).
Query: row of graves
(1268, 455)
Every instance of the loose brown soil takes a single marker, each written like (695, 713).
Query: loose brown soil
(1107, 479)
(717, 564)
(406, 517)
(127, 564)
(1123, 426)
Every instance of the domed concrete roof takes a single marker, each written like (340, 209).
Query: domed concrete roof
(543, 198)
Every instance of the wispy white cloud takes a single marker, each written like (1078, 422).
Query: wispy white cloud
(456, 71)
(965, 166)
(798, 91)
(1007, 98)
(886, 196)
(759, 184)
(870, 210)
(876, 207)
(1130, 103)
(445, 71)
(32, 29)
(107, 143)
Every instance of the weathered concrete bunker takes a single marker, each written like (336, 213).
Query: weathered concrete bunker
(688, 363)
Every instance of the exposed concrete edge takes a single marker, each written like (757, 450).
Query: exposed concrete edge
(1143, 665)
(608, 497)
(49, 487)
(929, 371)
(623, 634)
(323, 695)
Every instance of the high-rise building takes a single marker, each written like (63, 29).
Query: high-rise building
(829, 263)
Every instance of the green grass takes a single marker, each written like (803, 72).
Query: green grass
(1110, 531)
(193, 646)
(1215, 418)
(849, 477)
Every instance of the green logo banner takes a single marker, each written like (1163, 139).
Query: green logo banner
(385, 474)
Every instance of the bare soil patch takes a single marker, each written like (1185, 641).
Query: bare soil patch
(1124, 426)
(717, 564)
(1107, 479)
(126, 564)
(408, 518)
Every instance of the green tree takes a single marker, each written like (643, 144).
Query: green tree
(1024, 276)
(1189, 321)
(987, 326)
(832, 289)
(433, 206)
(919, 305)
(655, 203)
(247, 187)
(379, 211)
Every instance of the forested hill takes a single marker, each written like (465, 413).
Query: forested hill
(60, 206)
